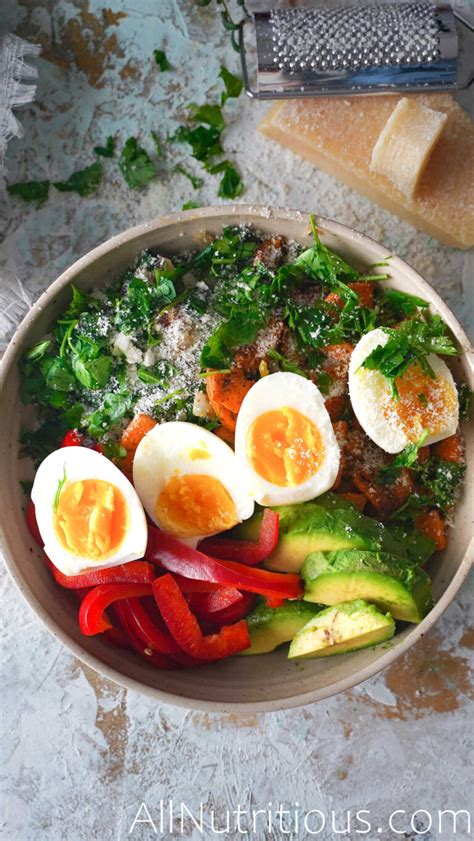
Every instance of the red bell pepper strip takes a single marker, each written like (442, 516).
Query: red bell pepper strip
(177, 557)
(135, 572)
(192, 585)
(228, 615)
(151, 635)
(213, 602)
(185, 628)
(248, 552)
(72, 438)
(122, 615)
(32, 524)
(91, 612)
(117, 637)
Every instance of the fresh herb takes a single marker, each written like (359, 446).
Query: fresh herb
(324, 382)
(161, 60)
(196, 303)
(231, 184)
(169, 398)
(114, 450)
(194, 179)
(286, 364)
(37, 351)
(204, 141)
(157, 144)
(311, 324)
(115, 406)
(160, 374)
(401, 304)
(441, 480)
(136, 165)
(233, 85)
(411, 343)
(30, 191)
(465, 400)
(211, 115)
(354, 322)
(241, 328)
(323, 265)
(84, 181)
(108, 150)
(230, 25)
(190, 205)
(61, 484)
(406, 458)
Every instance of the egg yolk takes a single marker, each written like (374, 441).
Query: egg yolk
(423, 403)
(284, 447)
(195, 504)
(91, 518)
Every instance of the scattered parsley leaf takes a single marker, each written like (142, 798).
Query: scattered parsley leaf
(323, 265)
(204, 141)
(161, 60)
(115, 407)
(241, 328)
(402, 304)
(210, 114)
(194, 179)
(30, 191)
(108, 150)
(136, 165)
(233, 85)
(465, 400)
(157, 143)
(231, 184)
(61, 484)
(324, 382)
(84, 181)
(190, 205)
(441, 480)
(286, 364)
(312, 325)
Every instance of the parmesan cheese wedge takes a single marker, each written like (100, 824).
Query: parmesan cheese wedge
(338, 134)
(405, 144)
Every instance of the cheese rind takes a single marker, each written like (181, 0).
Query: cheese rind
(404, 146)
(338, 134)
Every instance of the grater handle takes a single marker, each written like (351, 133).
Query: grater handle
(243, 61)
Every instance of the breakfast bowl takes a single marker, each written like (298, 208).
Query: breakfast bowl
(270, 681)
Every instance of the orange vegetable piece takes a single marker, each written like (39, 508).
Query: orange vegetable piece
(335, 299)
(423, 455)
(126, 464)
(365, 291)
(450, 449)
(226, 434)
(385, 499)
(358, 500)
(433, 525)
(335, 407)
(226, 393)
(135, 431)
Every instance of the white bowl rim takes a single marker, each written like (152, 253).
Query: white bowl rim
(318, 694)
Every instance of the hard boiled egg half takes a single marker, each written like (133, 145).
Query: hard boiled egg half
(285, 439)
(424, 403)
(88, 513)
(190, 482)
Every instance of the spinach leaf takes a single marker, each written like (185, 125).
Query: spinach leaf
(136, 165)
(84, 181)
(30, 191)
(37, 351)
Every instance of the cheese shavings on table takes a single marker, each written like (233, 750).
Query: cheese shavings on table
(339, 136)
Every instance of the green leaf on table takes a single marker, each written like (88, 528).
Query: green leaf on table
(161, 60)
(204, 141)
(136, 165)
(210, 114)
(157, 143)
(233, 85)
(30, 191)
(194, 179)
(84, 181)
(190, 205)
(108, 150)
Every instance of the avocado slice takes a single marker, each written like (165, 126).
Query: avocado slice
(269, 627)
(347, 626)
(398, 586)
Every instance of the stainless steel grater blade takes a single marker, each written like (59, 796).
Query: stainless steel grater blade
(366, 48)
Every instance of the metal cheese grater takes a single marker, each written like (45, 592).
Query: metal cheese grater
(378, 47)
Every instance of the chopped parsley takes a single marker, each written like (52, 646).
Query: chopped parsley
(286, 364)
(59, 488)
(231, 184)
(465, 401)
(84, 181)
(401, 304)
(157, 144)
(233, 85)
(161, 60)
(190, 205)
(406, 458)
(194, 179)
(136, 165)
(204, 141)
(108, 150)
(30, 191)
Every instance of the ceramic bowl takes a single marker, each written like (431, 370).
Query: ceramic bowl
(268, 682)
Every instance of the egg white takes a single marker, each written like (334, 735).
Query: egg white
(81, 463)
(369, 390)
(166, 451)
(277, 391)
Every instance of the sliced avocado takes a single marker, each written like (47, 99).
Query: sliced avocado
(398, 586)
(269, 627)
(347, 626)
